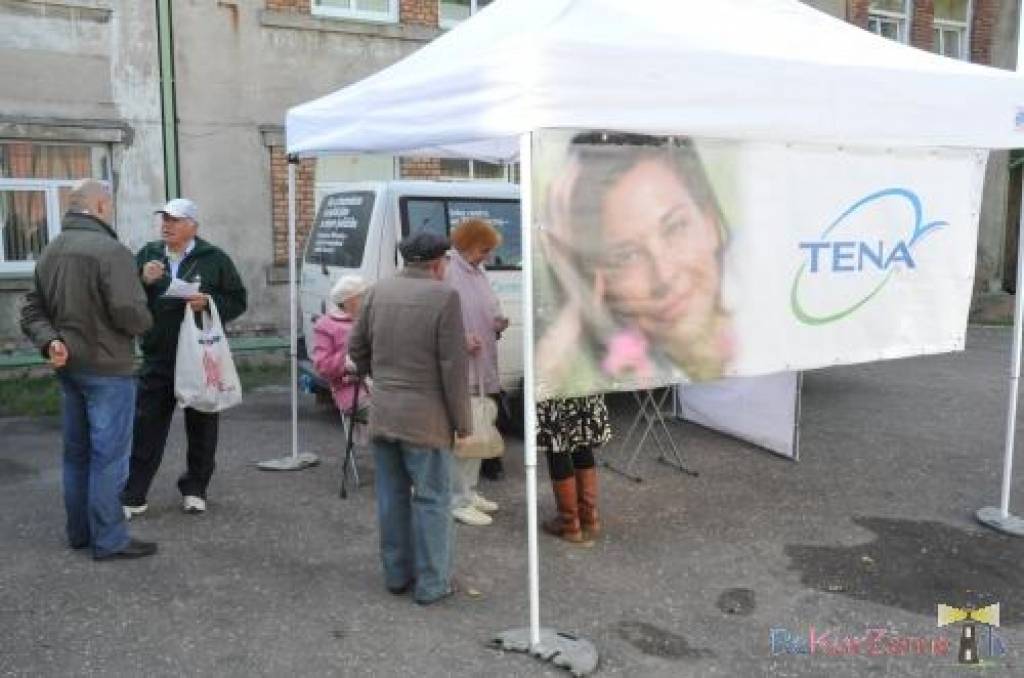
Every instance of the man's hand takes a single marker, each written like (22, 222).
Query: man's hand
(199, 302)
(57, 351)
(152, 271)
(473, 344)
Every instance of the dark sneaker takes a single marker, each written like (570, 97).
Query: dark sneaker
(136, 548)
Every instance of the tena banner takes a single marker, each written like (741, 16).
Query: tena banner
(667, 259)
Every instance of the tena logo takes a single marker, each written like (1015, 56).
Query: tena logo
(857, 255)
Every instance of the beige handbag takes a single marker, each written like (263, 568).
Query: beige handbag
(485, 442)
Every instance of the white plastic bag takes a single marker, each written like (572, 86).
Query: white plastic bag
(485, 442)
(205, 378)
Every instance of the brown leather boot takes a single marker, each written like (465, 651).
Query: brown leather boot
(566, 525)
(586, 488)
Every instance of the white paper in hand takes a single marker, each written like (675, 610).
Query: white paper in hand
(179, 289)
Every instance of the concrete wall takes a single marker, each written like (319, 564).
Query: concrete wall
(991, 269)
(239, 67)
(76, 68)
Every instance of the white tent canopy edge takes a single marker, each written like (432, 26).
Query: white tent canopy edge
(769, 70)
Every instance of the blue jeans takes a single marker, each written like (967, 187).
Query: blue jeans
(414, 509)
(97, 423)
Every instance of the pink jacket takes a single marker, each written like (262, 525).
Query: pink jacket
(330, 349)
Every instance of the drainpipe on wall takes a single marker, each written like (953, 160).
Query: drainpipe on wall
(168, 104)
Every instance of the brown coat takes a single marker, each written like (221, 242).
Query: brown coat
(410, 338)
(86, 292)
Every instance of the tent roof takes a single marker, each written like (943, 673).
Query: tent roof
(736, 69)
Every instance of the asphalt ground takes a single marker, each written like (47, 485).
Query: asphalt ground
(859, 540)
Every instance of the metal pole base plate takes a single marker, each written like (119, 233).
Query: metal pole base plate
(993, 517)
(576, 655)
(291, 463)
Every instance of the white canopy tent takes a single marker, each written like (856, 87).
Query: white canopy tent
(766, 70)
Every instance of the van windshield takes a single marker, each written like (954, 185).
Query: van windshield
(338, 237)
(441, 215)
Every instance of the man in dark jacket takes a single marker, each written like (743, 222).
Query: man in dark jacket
(410, 337)
(183, 256)
(85, 306)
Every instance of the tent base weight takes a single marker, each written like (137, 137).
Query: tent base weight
(290, 463)
(576, 655)
(993, 517)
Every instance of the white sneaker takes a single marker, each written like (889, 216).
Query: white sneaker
(482, 504)
(191, 504)
(467, 515)
(132, 511)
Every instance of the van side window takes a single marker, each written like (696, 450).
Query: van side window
(441, 215)
(339, 233)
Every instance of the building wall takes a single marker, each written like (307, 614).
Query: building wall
(239, 67)
(76, 70)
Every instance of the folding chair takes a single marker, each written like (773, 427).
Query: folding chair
(648, 422)
(350, 421)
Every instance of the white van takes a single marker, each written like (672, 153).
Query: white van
(359, 225)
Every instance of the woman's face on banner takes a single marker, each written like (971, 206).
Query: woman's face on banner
(659, 263)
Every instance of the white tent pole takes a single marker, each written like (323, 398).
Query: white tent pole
(529, 402)
(1011, 407)
(1001, 519)
(294, 461)
(293, 303)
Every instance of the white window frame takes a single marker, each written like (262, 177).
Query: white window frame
(389, 17)
(963, 26)
(51, 187)
(473, 9)
(506, 174)
(903, 18)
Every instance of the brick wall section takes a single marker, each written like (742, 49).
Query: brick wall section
(301, 6)
(305, 201)
(420, 168)
(857, 12)
(419, 12)
(922, 24)
(983, 22)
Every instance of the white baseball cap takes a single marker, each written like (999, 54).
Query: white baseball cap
(180, 208)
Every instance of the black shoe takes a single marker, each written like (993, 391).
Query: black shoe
(444, 596)
(492, 469)
(403, 589)
(136, 548)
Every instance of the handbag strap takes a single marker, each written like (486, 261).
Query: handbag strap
(479, 377)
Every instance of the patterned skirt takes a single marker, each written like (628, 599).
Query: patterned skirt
(564, 425)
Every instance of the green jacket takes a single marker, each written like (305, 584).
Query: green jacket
(86, 292)
(217, 277)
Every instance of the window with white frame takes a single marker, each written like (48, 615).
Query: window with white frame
(35, 180)
(451, 12)
(473, 170)
(890, 19)
(384, 11)
(952, 18)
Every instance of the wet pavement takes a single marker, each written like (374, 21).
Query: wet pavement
(727, 574)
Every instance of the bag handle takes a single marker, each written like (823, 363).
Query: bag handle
(479, 376)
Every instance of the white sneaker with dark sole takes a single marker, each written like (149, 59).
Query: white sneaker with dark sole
(467, 515)
(191, 504)
(132, 511)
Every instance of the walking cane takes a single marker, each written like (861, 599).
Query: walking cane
(350, 444)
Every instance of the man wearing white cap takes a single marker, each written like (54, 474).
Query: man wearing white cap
(184, 256)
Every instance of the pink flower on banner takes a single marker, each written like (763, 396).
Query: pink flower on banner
(627, 353)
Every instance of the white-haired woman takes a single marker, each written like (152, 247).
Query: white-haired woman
(330, 344)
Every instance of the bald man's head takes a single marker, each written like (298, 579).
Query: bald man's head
(90, 196)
